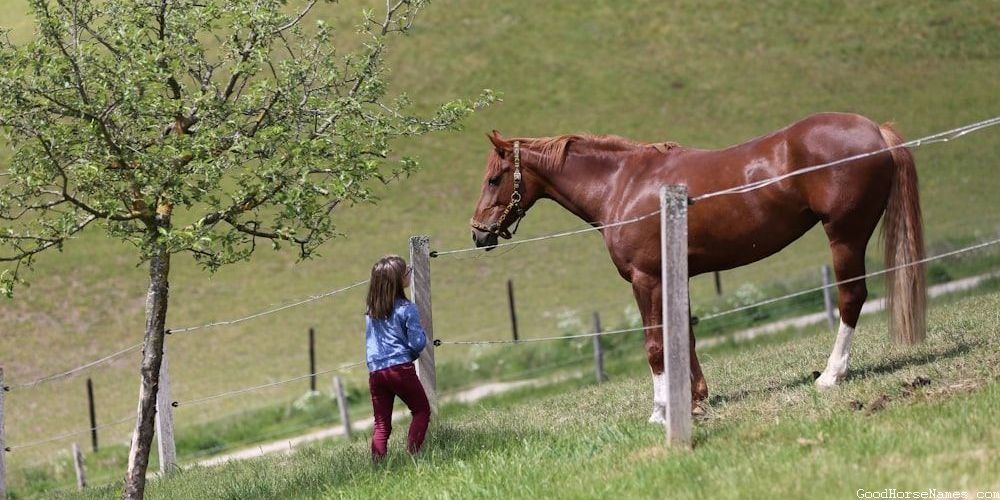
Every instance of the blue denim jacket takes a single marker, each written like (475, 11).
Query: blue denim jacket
(394, 341)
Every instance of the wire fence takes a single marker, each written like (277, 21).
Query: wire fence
(440, 342)
(765, 302)
(940, 137)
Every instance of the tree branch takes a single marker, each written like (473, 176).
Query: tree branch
(46, 242)
(72, 199)
(253, 231)
(296, 20)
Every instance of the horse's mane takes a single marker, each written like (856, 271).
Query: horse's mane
(552, 150)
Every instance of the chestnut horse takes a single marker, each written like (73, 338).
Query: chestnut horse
(605, 179)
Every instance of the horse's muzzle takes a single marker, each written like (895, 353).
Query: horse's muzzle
(484, 239)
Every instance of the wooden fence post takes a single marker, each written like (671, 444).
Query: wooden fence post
(598, 350)
(828, 296)
(165, 422)
(81, 476)
(674, 279)
(93, 414)
(420, 262)
(312, 360)
(3, 444)
(338, 389)
(513, 309)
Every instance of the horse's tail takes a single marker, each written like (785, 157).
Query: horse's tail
(902, 234)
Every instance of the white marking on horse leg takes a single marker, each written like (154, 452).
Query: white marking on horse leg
(836, 366)
(659, 399)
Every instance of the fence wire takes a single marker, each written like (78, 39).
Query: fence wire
(75, 371)
(977, 246)
(307, 300)
(72, 373)
(70, 434)
(851, 280)
(193, 402)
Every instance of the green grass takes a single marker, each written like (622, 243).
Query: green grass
(767, 431)
(705, 74)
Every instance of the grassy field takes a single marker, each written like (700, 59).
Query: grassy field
(705, 74)
(767, 431)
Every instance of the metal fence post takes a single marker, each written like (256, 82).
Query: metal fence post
(598, 350)
(831, 318)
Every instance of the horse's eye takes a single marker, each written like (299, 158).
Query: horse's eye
(495, 180)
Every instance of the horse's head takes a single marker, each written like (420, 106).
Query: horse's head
(506, 194)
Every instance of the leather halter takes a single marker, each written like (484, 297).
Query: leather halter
(513, 206)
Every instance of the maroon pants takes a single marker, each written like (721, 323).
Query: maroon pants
(385, 385)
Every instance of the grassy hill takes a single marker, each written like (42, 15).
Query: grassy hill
(767, 431)
(705, 74)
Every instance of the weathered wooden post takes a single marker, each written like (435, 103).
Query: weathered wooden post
(345, 418)
(598, 350)
(81, 477)
(828, 296)
(674, 279)
(513, 309)
(165, 421)
(420, 262)
(312, 360)
(3, 444)
(93, 414)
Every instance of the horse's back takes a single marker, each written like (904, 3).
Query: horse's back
(736, 229)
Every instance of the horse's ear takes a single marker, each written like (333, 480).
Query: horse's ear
(501, 145)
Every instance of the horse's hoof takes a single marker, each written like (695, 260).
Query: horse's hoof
(826, 380)
(697, 410)
(657, 418)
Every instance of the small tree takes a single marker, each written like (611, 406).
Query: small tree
(194, 126)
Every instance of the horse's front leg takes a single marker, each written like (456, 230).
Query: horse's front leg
(648, 297)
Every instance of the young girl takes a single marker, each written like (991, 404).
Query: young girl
(394, 338)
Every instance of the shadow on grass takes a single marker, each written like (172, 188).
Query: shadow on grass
(737, 396)
(885, 366)
(876, 368)
(322, 471)
(449, 443)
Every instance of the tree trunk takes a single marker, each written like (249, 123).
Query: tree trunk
(152, 356)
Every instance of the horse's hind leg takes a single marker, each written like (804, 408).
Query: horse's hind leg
(848, 262)
(699, 387)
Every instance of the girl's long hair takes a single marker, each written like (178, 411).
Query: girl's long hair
(385, 286)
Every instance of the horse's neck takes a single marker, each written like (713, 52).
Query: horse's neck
(580, 185)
